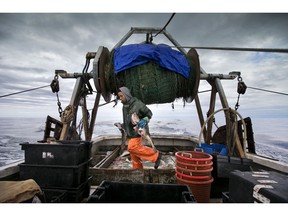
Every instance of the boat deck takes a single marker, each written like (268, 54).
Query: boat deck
(108, 165)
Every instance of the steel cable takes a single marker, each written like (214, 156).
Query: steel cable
(1, 96)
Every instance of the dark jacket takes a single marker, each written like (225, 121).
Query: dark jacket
(134, 105)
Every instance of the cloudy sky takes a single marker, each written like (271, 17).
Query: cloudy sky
(34, 45)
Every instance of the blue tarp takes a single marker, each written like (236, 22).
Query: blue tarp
(132, 55)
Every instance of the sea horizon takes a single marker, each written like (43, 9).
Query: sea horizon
(14, 131)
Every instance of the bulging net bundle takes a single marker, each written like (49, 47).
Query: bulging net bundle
(152, 83)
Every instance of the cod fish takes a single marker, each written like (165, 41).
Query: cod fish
(142, 131)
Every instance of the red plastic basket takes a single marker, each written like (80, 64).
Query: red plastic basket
(193, 157)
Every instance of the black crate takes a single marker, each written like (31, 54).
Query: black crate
(223, 165)
(61, 153)
(54, 196)
(126, 192)
(79, 194)
(55, 176)
(264, 186)
(68, 195)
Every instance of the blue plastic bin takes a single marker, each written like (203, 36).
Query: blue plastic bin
(213, 148)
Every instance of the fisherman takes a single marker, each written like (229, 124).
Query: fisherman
(137, 150)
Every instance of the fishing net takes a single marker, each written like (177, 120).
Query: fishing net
(152, 83)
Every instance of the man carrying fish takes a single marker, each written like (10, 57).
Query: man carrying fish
(136, 116)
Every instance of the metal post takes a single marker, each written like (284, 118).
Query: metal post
(74, 101)
(200, 114)
(85, 119)
(211, 110)
(94, 114)
(224, 103)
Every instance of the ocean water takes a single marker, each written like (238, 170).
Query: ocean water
(270, 135)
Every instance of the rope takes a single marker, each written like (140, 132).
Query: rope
(67, 114)
(115, 101)
(236, 113)
(1, 96)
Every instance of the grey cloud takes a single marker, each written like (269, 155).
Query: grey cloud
(33, 45)
(230, 29)
(19, 68)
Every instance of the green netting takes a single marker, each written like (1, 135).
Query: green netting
(152, 83)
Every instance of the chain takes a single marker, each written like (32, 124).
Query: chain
(55, 89)
(237, 103)
(60, 110)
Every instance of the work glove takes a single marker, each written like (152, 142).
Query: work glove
(143, 122)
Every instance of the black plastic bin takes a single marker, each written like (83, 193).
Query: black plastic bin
(55, 175)
(67, 195)
(77, 195)
(262, 186)
(54, 196)
(61, 153)
(223, 165)
(126, 192)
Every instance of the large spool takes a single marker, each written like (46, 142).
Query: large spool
(149, 82)
(100, 62)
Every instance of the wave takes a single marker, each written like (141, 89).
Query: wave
(10, 150)
(14, 132)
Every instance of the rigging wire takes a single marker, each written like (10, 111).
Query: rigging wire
(165, 25)
(199, 92)
(267, 90)
(1, 96)
(275, 92)
(275, 50)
